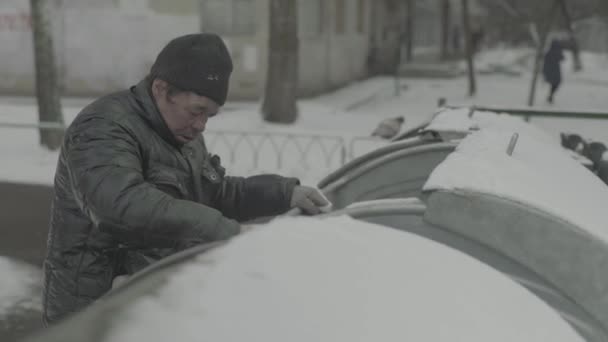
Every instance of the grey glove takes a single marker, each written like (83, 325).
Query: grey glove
(308, 199)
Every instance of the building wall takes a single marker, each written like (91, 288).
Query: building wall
(16, 57)
(108, 45)
(248, 44)
(327, 59)
(338, 54)
(101, 45)
(107, 49)
(387, 22)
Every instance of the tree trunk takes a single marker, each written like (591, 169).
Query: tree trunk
(445, 28)
(402, 40)
(577, 65)
(468, 47)
(540, 50)
(47, 82)
(409, 49)
(282, 78)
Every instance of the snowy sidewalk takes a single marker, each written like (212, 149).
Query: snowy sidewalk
(353, 111)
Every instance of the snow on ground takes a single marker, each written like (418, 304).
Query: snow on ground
(26, 162)
(421, 97)
(595, 68)
(20, 287)
(350, 112)
(539, 173)
(363, 282)
(337, 118)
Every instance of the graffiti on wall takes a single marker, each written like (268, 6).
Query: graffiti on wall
(20, 21)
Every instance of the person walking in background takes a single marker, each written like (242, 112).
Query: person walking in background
(552, 68)
(477, 36)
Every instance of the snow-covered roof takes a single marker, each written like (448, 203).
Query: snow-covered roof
(539, 173)
(337, 279)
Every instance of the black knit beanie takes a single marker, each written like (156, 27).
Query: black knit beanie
(197, 62)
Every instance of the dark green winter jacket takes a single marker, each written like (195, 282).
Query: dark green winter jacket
(125, 188)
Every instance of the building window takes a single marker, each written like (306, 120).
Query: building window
(310, 18)
(229, 17)
(340, 16)
(361, 16)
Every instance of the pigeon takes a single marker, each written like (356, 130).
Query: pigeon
(389, 128)
(572, 142)
(602, 170)
(594, 151)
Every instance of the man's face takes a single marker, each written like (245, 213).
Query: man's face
(185, 113)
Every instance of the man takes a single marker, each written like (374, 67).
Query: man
(135, 182)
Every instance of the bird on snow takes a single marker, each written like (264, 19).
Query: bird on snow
(602, 170)
(388, 128)
(573, 142)
(594, 151)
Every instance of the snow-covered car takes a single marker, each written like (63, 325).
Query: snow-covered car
(318, 279)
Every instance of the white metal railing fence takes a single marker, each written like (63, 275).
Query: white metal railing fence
(249, 150)
(277, 150)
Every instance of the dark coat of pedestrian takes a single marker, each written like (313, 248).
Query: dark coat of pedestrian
(552, 68)
(135, 181)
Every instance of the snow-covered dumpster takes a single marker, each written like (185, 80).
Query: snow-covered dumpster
(536, 205)
(318, 279)
(397, 170)
(512, 197)
(400, 169)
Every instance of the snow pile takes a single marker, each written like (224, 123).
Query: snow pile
(20, 287)
(502, 60)
(539, 173)
(305, 279)
(518, 60)
(461, 120)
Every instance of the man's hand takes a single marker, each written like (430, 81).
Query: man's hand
(310, 200)
(245, 228)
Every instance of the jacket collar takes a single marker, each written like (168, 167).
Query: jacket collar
(150, 113)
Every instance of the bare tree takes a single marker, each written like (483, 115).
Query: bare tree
(409, 28)
(577, 65)
(541, 48)
(512, 19)
(445, 28)
(282, 78)
(468, 47)
(47, 82)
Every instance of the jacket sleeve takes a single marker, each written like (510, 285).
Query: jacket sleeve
(248, 198)
(105, 166)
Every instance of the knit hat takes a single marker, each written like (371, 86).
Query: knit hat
(197, 62)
